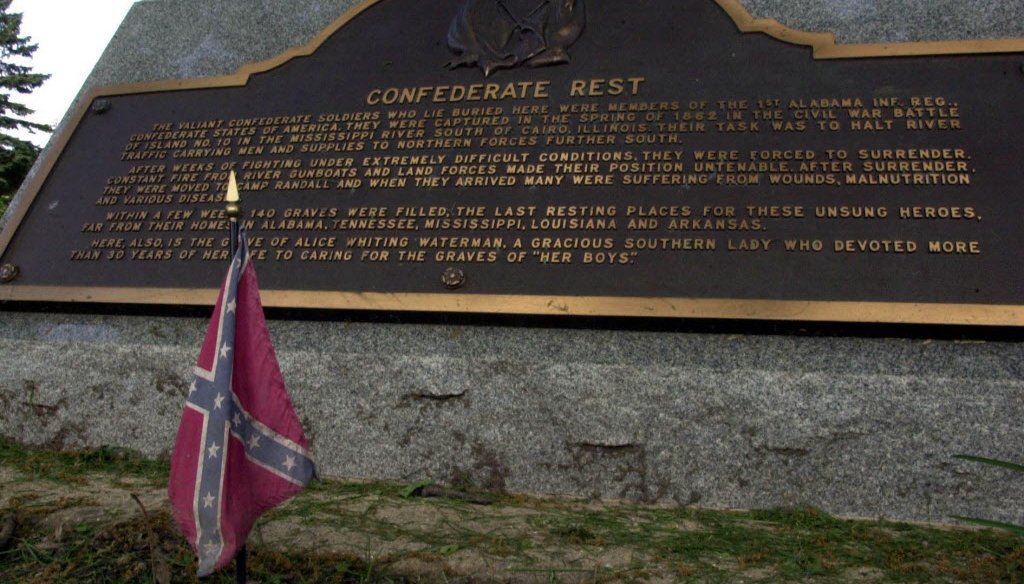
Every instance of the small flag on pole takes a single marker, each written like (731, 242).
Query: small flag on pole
(240, 449)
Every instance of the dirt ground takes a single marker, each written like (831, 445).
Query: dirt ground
(395, 534)
(404, 535)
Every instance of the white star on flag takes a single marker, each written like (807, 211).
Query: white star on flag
(208, 500)
(289, 463)
(213, 450)
(224, 351)
(218, 402)
(231, 306)
(192, 388)
(254, 442)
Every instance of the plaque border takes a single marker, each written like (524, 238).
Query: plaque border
(624, 306)
(823, 47)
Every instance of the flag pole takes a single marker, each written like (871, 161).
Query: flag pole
(234, 212)
(241, 570)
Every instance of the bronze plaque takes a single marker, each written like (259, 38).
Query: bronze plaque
(644, 158)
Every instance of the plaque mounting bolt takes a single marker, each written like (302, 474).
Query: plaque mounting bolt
(453, 278)
(100, 106)
(8, 272)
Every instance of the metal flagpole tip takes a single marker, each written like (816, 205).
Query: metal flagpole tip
(232, 199)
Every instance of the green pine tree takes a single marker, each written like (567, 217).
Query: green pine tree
(16, 155)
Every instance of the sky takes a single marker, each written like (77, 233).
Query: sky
(71, 35)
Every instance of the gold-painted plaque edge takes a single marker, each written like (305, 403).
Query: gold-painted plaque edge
(823, 46)
(702, 308)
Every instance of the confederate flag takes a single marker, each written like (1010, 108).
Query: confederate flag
(240, 449)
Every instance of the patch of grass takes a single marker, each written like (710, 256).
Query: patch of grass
(39, 463)
(119, 553)
(801, 543)
(551, 538)
(788, 544)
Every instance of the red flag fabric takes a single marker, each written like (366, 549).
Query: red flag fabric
(240, 448)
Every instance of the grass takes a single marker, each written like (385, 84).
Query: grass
(120, 554)
(370, 532)
(41, 464)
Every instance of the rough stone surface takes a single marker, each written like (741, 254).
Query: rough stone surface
(854, 425)
(870, 21)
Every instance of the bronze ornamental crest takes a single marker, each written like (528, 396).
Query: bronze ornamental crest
(503, 34)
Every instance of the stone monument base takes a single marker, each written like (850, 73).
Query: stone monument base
(852, 424)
